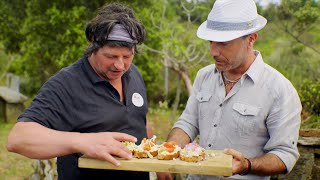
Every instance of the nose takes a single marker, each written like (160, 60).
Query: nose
(214, 49)
(119, 64)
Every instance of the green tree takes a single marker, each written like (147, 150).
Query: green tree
(178, 49)
(48, 35)
(298, 18)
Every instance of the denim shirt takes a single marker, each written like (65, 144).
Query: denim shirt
(261, 114)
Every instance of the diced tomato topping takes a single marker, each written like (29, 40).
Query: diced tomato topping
(170, 150)
(169, 144)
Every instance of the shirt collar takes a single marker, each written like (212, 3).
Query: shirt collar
(254, 71)
(256, 68)
(216, 71)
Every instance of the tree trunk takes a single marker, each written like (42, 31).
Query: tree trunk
(187, 81)
(184, 76)
(44, 170)
(177, 98)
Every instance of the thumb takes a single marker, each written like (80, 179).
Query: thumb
(236, 154)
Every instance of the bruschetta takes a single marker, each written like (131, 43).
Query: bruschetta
(147, 149)
(168, 151)
(192, 152)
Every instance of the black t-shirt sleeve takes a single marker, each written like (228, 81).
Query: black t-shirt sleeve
(49, 107)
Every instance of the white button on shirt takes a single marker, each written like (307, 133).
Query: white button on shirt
(261, 114)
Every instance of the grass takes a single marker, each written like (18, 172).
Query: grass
(161, 122)
(12, 166)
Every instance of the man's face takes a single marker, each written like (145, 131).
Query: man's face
(111, 63)
(230, 55)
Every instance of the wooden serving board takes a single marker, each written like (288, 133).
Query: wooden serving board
(217, 163)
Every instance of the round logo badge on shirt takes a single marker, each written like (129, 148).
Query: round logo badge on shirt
(137, 99)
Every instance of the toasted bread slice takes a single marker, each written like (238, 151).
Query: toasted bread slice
(192, 152)
(147, 148)
(130, 145)
(168, 151)
(145, 154)
(171, 156)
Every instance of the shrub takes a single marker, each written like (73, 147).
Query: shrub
(310, 96)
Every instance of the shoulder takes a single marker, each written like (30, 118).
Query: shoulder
(72, 71)
(206, 72)
(279, 86)
(134, 72)
(134, 69)
(209, 69)
(65, 78)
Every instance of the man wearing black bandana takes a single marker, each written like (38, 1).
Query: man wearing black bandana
(91, 106)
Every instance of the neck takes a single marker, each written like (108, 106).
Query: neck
(235, 74)
(229, 80)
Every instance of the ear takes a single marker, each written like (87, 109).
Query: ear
(252, 39)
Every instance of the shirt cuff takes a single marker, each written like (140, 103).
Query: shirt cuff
(187, 128)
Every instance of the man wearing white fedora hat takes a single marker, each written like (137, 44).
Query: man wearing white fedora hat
(240, 104)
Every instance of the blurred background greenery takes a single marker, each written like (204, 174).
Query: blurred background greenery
(39, 37)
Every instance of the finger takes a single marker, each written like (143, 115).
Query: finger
(121, 151)
(111, 159)
(125, 148)
(236, 154)
(123, 137)
(118, 144)
(164, 176)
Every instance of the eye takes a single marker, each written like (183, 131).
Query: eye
(127, 57)
(110, 56)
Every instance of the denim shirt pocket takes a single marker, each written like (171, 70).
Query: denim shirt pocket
(245, 117)
(204, 100)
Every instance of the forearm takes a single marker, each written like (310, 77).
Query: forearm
(268, 164)
(35, 141)
(149, 130)
(179, 136)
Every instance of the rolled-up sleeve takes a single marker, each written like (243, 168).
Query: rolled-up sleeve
(283, 125)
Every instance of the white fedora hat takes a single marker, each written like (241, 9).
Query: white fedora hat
(231, 19)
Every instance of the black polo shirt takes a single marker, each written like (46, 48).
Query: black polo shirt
(76, 99)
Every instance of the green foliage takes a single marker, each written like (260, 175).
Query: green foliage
(305, 16)
(298, 18)
(11, 18)
(310, 96)
(53, 39)
(48, 35)
(174, 43)
(290, 41)
(312, 123)
(3, 62)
